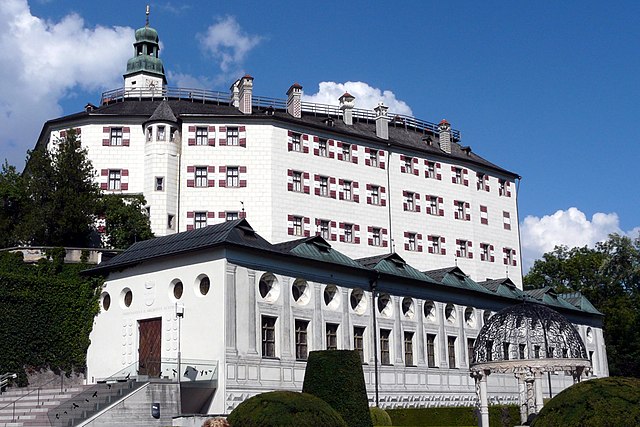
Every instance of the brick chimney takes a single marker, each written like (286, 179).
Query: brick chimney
(235, 94)
(246, 93)
(382, 123)
(445, 136)
(294, 100)
(346, 105)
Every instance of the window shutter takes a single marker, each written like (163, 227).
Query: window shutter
(211, 214)
(104, 186)
(191, 169)
(242, 169)
(191, 214)
(192, 141)
(211, 182)
(191, 183)
(105, 142)
(192, 128)
(243, 183)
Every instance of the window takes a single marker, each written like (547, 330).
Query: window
(431, 350)
(462, 248)
(434, 206)
(231, 216)
(489, 350)
(324, 186)
(484, 215)
(116, 136)
(435, 245)
(202, 135)
(172, 134)
(232, 136)
(346, 152)
(457, 175)
(358, 341)
(536, 351)
(301, 339)
(408, 164)
(508, 256)
(268, 336)
(505, 351)
(375, 195)
(205, 285)
(233, 177)
(297, 181)
(159, 183)
(348, 233)
(506, 220)
(332, 336)
(522, 348)
(431, 170)
(170, 221)
(470, 343)
(451, 350)
(347, 190)
(161, 135)
(485, 252)
(297, 226)
(325, 230)
(412, 246)
(373, 158)
(201, 176)
(295, 142)
(375, 237)
(149, 134)
(385, 356)
(408, 349)
(200, 219)
(322, 147)
(410, 204)
(114, 179)
(460, 214)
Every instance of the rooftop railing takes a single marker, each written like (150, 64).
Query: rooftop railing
(260, 102)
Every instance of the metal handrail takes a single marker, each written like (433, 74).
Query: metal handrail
(224, 98)
(31, 392)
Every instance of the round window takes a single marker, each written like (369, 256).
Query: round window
(429, 310)
(331, 297)
(128, 298)
(269, 287)
(106, 301)
(300, 291)
(450, 313)
(358, 301)
(205, 284)
(470, 317)
(178, 289)
(384, 305)
(407, 307)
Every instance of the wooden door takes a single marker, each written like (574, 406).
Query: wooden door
(150, 332)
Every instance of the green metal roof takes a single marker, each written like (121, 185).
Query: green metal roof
(579, 301)
(393, 264)
(318, 249)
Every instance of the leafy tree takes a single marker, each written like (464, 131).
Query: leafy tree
(126, 223)
(609, 276)
(12, 198)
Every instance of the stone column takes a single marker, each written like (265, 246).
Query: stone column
(538, 389)
(522, 397)
(481, 391)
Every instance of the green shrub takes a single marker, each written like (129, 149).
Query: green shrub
(336, 377)
(613, 401)
(499, 416)
(284, 409)
(379, 417)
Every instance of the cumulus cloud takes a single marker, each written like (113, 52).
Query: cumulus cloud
(45, 62)
(367, 97)
(183, 80)
(229, 43)
(568, 227)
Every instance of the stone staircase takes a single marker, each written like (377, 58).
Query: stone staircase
(29, 407)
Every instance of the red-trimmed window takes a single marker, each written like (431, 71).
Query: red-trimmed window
(463, 248)
(295, 142)
(486, 252)
(349, 233)
(504, 188)
(412, 241)
(411, 201)
(436, 245)
(115, 179)
(377, 236)
(298, 225)
(434, 205)
(376, 195)
(506, 220)
(484, 215)
(344, 152)
(482, 181)
(409, 165)
(459, 176)
(326, 229)
(461, 210)
(510, 257)
(202, 135)
(115, 136)
(200, 219)
(432, 170)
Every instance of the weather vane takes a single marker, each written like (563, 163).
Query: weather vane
(147, 13)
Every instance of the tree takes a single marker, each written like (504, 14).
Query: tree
(126, 223)
(609, 276)
(62, 194)
(12, 198)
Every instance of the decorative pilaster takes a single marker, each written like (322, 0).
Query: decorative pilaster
(252, 313)
(230, 309)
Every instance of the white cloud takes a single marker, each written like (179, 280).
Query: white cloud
(570, 228)
(226, 41)
(46, 61)
(367, 97)
(187, 81)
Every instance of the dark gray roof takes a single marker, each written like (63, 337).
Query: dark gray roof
(440, 273)
(163, 113)
(237, 232)
(316, 248)
(400, 137)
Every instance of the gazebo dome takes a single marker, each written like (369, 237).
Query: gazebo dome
(147, 34)
(527, 331)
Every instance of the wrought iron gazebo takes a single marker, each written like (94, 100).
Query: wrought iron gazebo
(527, 339)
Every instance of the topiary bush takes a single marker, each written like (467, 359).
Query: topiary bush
(336, 377)
(613, 401)
(284, 409)
(499, 416)
(379, 416)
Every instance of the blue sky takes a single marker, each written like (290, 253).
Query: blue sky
(546, 89)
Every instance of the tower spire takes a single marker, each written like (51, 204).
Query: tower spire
(147, 13)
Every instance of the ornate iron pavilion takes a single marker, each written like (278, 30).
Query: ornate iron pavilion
(527, 339)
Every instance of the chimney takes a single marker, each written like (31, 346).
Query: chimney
(246, 92)
(382, 124)
(235, 94)
(294, 100)
(346, 105)
(445, 136)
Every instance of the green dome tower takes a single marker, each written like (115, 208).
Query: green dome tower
(145, 71)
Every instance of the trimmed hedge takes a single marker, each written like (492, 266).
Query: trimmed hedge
(499, 416)
(284, 409)
(613, 401)
(336, 377)
(379, 417)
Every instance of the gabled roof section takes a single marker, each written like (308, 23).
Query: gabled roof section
(393, 264)
(163, 113)
(504, 287)
(237, 232)
(455, 277)
(580, 301)
(549, 296)
(315, 248)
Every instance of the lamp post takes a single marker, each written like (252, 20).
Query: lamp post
(179, 316)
